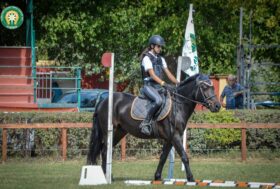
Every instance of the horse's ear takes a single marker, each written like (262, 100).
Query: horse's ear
(187, 80)
(183, 75)
(201, 77)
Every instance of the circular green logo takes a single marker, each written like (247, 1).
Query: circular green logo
(12, 17)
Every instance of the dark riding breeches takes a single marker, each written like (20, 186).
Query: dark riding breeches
(153, 95)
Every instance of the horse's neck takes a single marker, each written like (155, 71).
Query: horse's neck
(187, 108)
(188, 91)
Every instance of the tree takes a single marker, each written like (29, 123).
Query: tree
(77, 33)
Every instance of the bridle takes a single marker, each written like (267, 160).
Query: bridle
(206, 102)
(199, 89)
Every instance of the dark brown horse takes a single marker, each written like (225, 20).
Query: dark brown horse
(196, 89)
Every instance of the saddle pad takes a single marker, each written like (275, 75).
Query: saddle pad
(140, 107)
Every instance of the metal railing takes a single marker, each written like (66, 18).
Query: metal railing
(251, 62)
(57, 78)
(68, 78)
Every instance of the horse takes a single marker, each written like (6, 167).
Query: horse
(197, 89)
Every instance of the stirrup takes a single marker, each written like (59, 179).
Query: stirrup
(144, 123)
(146, 127)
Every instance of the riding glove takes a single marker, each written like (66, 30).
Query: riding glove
(168, 87)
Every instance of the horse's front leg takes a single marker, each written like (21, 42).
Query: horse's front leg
(177, 142)
(165, 151)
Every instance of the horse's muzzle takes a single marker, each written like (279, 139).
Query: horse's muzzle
(215, 107)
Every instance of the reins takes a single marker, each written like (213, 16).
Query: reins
(185, 99)
(191, 100)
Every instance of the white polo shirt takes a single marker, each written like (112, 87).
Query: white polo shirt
(147, 63)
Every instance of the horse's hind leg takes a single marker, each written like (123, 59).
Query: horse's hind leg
(94, 151)
(104, 155)
(165, 151)
(95, 144)
(177, 142)
(117, 136)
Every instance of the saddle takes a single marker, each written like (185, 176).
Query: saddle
(142, 104)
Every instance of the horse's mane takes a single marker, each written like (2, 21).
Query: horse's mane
(186, 81)
(192, 78)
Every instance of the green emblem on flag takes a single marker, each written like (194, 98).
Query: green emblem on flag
(195, 60)
(192, 36)
(12, 17)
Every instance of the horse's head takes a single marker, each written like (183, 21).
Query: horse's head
(205, 93)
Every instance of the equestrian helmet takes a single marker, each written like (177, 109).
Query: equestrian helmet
(156, 40)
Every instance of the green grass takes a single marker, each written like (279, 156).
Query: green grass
(54, 174)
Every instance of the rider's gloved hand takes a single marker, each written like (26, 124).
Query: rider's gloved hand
(168, 86)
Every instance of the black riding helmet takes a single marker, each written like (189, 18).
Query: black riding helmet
(156, 40)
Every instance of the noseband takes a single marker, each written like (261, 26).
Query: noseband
(206, 102)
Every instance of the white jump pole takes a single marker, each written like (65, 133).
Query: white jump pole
(93, 174)
(110, 124)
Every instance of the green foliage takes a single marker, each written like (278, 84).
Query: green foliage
(259, 116)
(203, 139)
(223, 138)
(214, 138)
(263, 138)
(78, 141)
(46, 140)
(147, 146)
(78, 32)
(43, 117)
(220, 117)
(197, 140)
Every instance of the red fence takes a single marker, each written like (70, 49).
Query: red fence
(65, 126)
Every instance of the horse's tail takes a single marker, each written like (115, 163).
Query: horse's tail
(95, 144)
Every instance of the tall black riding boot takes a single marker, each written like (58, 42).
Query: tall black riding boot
(146, 125)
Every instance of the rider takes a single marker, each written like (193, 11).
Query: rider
(152, 66)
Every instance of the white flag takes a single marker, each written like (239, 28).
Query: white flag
(190, 49)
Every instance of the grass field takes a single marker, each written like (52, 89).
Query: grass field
(31, 174)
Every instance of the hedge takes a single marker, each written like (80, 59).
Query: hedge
(199, 139)
(249, 116)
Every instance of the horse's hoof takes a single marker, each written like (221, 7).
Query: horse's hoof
(191, 179)
(157, 177)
